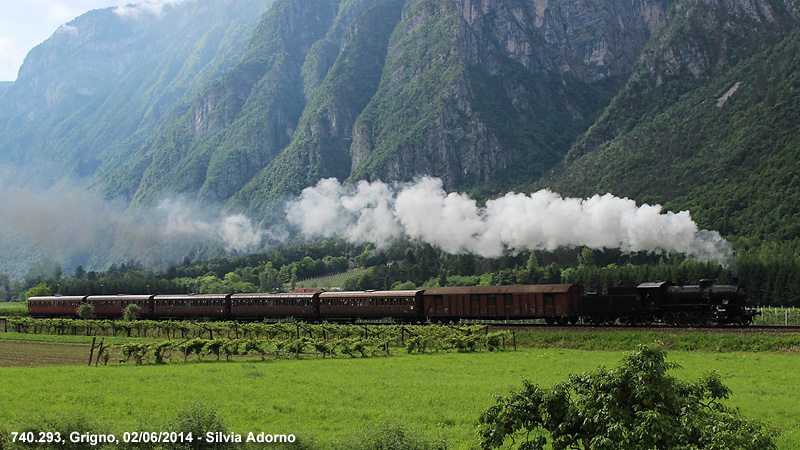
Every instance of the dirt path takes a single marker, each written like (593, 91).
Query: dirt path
(19, 354)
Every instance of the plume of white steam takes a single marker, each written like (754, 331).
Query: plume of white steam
(188, 220)
(379, 213)
(366, 216)
(239, 234)
(68, 223)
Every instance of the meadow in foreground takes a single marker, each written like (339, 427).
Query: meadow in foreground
(325, 400)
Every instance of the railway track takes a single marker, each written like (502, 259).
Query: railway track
(752, 329)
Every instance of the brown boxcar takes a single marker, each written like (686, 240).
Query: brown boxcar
(112, 306)
(552, 302)
(189, 306)
(401, 305)
(56, 306)
(258, 306)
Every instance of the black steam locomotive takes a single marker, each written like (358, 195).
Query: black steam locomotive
(648, 303)
(705, 304)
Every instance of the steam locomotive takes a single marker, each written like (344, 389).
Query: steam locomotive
(705, 304)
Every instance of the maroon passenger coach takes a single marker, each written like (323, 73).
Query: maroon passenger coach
(301, 306)
(113, 306)
(405, 306)
(191, 306)
(56, 306)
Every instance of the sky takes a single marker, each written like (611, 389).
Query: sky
(25, 24)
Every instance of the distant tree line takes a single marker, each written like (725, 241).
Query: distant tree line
(770, 272)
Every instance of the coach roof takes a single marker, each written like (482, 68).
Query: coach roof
(511, 289)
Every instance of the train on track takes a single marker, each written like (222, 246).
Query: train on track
(705, 304)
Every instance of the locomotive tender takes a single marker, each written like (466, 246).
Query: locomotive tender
(705, 304)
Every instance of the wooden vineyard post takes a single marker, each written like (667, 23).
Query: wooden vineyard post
(99, 352)
(514, 337)
(91, 352)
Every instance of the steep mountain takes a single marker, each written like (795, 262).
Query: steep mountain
(708, 122)
(688, 103)
(394, 89)
(107, 79)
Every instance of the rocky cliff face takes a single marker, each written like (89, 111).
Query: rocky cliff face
(707, 122)
(477, 92)
(699, 41)
(512, 69)
(392, 89)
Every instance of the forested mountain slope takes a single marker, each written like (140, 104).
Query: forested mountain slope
(709, 122)
(243, 103)
(489, 96)
(389, 89)
(103, 82)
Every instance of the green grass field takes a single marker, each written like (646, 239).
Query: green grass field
(441, 394)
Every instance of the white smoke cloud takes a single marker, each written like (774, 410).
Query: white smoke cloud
(72, 224)
(69, 223)
(379, 213)
(239, 234)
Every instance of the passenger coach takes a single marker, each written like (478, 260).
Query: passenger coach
(57, 306)
(113, 306)
(300, 306)
(404, 306)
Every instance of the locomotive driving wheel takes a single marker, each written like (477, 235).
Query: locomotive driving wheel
(668, 318)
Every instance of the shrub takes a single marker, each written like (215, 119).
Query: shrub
(199, 417)
(86, 311)
(130, 313)
(389, 436)
(636, 406)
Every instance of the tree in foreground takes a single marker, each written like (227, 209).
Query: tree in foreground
(636, 406)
